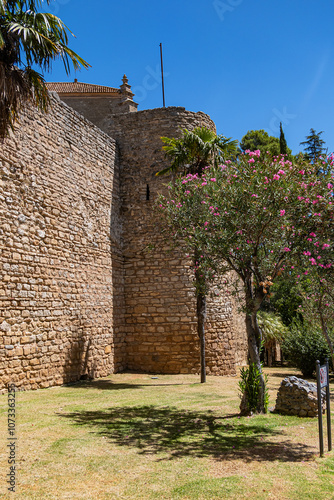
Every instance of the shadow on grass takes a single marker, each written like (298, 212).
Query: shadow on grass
(179, 433)
(285, 374)
(108, 385)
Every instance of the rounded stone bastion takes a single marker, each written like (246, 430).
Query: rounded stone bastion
(160, 304)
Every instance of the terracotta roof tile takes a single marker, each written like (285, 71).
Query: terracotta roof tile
(79, 87)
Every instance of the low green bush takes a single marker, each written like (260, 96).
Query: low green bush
(303, 346)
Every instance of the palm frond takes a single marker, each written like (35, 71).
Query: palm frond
(14, 90)
(272, 326)
(195, 150)
(29, 38)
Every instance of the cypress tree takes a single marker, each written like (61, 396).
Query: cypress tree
(283, 147)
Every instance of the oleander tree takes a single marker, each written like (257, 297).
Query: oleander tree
(30, 41)
(252, 216)
(192, 153)
(314, 277)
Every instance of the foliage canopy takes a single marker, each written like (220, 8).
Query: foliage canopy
(29, 39)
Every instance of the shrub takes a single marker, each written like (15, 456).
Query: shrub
(249, 386)
(303, 346)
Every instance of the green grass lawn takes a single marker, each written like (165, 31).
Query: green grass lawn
(132, 436)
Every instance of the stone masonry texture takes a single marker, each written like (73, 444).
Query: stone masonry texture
(88, 286)
(61, 272)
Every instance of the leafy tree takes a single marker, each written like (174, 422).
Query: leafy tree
(315, 280)
(260, 140)
(283, 147)
(284, 299)
(314, 145)
(195, 150)
(29, 39)
(252, 216)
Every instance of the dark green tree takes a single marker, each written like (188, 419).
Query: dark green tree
(259, 139)
(282, 142)
(29, 39)
(284, 299)
(314, 145)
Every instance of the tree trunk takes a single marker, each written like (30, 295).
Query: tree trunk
(254, 337)
(201, 315)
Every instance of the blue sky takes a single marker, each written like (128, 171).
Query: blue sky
(249, 64)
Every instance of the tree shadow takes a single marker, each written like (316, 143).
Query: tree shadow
(287, 374)
(108, 385)
(175, 433)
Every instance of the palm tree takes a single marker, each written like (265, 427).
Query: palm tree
(29, 38)
(195, 150)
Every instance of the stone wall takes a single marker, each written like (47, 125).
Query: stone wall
(160, 318)
(81, 291)
(61, 267)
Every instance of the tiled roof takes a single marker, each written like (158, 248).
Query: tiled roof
(79, 87)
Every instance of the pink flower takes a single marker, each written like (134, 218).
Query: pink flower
(276, 177)
(282, 212)
(286, 249)
(213, 179)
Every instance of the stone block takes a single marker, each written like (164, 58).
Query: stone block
(298, 397)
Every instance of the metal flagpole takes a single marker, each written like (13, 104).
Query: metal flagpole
(162, 78)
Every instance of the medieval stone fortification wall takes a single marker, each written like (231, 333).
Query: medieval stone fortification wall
(60, 272)
(80, 291)
(160, 306)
